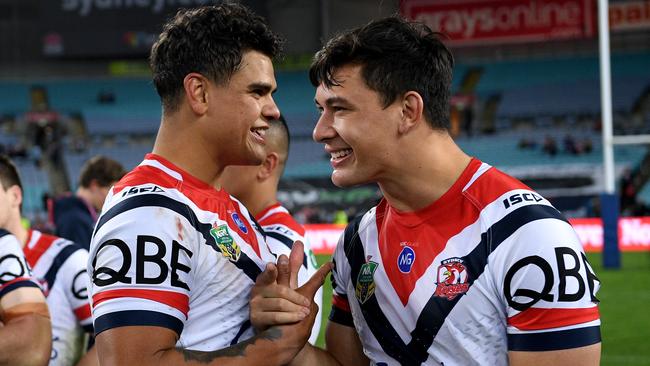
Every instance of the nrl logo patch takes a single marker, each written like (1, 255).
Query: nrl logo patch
(366, 282)
(452, 278)
(229, 248)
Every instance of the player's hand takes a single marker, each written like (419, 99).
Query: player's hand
(273, 300)
(296, 335)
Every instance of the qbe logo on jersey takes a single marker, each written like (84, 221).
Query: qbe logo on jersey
(452, 278)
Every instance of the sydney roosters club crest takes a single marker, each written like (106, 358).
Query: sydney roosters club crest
(452, 278)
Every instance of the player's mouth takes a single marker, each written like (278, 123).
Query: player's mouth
(338, 157)
(258, 134)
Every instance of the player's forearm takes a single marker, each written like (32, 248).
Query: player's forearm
(311, 355)
(89, 358)
(266, 348)
(26, 340)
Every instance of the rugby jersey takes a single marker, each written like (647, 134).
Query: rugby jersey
(489, 267)
(281, 231)
(171, 251)
(14, 271)
(59, 265)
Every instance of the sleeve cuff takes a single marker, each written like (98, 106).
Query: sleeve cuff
(137, 317)
(553, 341)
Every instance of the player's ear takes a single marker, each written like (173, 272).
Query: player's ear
(268, 166)
(412, 107)
(16, 195)
(196, 92)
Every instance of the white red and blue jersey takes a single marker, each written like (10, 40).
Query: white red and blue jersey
(59, 265)
(489, 267)
(281, 231)
(171, 251)
(14, 271)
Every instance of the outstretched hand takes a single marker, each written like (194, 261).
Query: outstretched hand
(275, 300)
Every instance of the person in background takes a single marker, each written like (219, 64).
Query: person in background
(256, 187)
(25, 329)
(459, 264)
(59, 266)
(173, 260)
(74, 216)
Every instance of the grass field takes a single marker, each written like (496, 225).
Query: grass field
(624, 309)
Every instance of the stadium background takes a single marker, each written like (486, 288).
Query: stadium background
(74, 83)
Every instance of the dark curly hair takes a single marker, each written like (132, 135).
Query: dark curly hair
(9, 176)
(396, 56)
(208, 40)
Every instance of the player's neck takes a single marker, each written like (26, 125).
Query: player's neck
(426, 172)
(260, 199)
(179, 146)
(16, 227)
(86, 196)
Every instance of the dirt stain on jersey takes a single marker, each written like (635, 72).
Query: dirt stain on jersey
(179, 227)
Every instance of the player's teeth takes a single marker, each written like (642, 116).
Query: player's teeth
(341, 153)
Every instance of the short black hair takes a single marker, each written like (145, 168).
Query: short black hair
(280, 124)
(396, 56)
(9, 176)
(209, 40)
(105, 171)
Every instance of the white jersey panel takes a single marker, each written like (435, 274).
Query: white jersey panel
(175, 254)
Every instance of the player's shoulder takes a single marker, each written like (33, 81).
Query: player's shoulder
(8, 242)
(277, 218)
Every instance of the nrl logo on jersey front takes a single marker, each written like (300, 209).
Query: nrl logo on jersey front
(227, 245)
(365, 281)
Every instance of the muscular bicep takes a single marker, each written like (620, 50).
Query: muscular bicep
(582, 356)
(344, 345)
(134, 345)
(20, 296)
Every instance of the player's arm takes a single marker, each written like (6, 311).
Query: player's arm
(143, 345)
(549, 290)
(343, 349)
(26, 337)
(274, 302)
(89, 358)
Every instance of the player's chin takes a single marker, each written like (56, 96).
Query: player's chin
(346, 178)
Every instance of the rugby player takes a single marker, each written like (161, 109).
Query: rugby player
(256, 187)
(59, 266)
(173, 260)
(25, 330)
(459, 264)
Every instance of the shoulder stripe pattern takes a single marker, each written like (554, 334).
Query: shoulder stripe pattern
(60, 258)
(286, 241)
(37, 246)
(147, 200)
(436, 310)
(140, 317)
